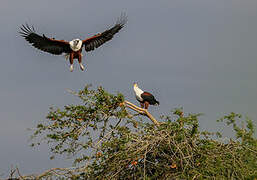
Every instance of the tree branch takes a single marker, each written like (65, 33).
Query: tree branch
(141, 111)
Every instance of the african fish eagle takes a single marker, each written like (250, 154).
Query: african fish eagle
(145, 98)
(74, 47)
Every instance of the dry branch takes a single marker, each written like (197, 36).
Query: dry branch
(141, 111)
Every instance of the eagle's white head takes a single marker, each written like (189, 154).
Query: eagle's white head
(75, 44)
(138, 91)
(135, 86)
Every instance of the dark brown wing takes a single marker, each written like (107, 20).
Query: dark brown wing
(149, 98)
(44, 43)
(99, 39)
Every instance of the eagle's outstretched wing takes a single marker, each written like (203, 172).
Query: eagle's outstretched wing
(99, 39)
(44, 43)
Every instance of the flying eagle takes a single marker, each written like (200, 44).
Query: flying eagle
(145, 98)
(74, 47)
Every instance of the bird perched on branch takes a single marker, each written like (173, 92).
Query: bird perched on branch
(74, 47)
(145, 98)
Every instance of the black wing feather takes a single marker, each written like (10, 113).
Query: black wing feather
(44, 43)
(149, 98)
(99, 39)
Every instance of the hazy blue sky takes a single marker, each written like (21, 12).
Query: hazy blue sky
(199, 54)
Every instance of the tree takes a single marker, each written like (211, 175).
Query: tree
(108, 137)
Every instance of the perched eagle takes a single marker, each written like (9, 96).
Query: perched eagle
(145, 98)
(72, 48)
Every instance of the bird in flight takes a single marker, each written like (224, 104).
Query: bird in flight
(145, 98)
(73, 48)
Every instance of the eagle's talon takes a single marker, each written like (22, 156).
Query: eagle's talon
(71, 68)
(82, 67)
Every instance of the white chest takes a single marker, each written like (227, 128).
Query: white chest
(138, 97)
(138, 93)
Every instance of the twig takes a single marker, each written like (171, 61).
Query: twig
(18, 171)
(145, 160)
(53, 170)
(107, 135)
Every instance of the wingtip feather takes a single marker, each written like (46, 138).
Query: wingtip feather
(26, 29)
(122, 20)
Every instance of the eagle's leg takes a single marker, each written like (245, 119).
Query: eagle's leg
(80, 62)
(146, 104)
(142, 105)
(71, 61)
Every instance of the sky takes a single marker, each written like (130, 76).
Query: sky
(200, 55)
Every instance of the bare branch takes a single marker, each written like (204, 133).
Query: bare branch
(141, 111)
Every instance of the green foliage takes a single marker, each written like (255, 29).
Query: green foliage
(73, 129)
(107, 142)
